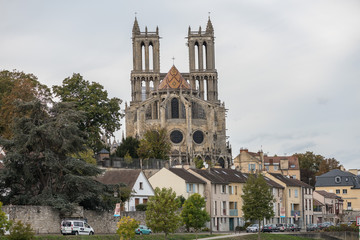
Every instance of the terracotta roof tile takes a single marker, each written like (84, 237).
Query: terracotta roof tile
(173, 80)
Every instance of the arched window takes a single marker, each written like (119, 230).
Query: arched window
(197, 59)
(151, 57)
(143, 90)
(142, 56)
(204, 55)
(174, 108)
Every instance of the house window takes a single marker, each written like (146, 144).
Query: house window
(223, 189)
(276, 168)
(296, 193)
(267, 168)
(230, 190)
(141, 186)
(344, 191)
(145, 200)
(292, 166)
(337, 179)
(289, 192)
(215, 188)
(224, 207)
(215, 208)
(337, 191)
(349, 205)
(294, 176)
(251, 167)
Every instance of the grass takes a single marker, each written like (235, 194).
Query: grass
(267, 236)
(116, 237)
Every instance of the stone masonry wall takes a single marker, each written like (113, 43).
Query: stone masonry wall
(46, 220)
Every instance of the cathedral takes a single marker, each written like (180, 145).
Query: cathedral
(186, 104)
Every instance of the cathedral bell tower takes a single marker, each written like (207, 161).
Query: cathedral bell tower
(145, 75)
(203, 75)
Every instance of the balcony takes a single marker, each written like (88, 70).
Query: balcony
(295, 212)
(233, 212)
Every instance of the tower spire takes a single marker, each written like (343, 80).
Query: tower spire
(209, 26)
(136, 29)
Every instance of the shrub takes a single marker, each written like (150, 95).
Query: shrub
(19, 231)
(141, 207)
(126, 227)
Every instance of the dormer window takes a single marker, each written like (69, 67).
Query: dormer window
(337, 179)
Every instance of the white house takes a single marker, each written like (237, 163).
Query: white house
(135, 180)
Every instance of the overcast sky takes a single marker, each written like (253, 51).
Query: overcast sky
(289, 71)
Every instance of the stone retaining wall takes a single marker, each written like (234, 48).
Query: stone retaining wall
(46, 220)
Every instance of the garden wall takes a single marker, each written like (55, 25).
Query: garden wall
(46, 220)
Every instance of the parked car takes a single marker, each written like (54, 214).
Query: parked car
(76, 227)
(281, 227)
(253, 228)
(325, 225)
(142, 229)
(270, 228)
(311, 227)
(297, 227)
(290, 227)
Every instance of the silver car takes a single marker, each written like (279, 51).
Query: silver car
(253, 228)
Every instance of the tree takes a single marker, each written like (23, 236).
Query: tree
(87, 155)
(5, 223)
(101, 113)
(199, 163)
(194, 214)
(17, 87)
(327, 165)
(39, 169)
(162, 213)
(21, 231)
(155, 144)
(257, 200)
(126, 228)
(128, 145)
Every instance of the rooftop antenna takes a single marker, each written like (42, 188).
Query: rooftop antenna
(173, 58)
(209, 14)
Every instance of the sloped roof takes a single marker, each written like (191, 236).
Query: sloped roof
(346, 179)
(173, 80)
(187, 176)
(230, 175)
(126, 176)
(104, 151)
(211, 176)
(290, 181)
(317, 203)
(327, 194)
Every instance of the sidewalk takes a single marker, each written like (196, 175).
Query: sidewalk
(226, 236)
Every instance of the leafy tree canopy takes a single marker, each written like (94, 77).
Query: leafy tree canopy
(194, 214)
(102, 114)
(155, 144)
(257, 199)
(199, 163)
(162, 211)
(5, 223)
(128, 145)
(17, 87)
(39, 169)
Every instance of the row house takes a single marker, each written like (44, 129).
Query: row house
(328, 207)
(344, 184)
(296, 202)
(182, 182)
(251, 162)
(217, 198)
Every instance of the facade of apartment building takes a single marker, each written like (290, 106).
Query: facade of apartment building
(330, 208)
(296, 196)
(217, 199)
(182, 182)
(344, 184)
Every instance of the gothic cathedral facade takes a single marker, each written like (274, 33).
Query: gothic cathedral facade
(185, 104)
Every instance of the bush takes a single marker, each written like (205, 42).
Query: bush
(141, 207)
(205, 229)
(19, 231)
(342, 228)
(126, 227)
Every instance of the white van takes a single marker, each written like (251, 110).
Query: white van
(76, 227)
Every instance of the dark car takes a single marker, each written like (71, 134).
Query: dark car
(270, 228)
(290, 227)
(311, 227)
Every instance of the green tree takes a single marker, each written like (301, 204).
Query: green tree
(327, 165)
(17, 87)
(102, 114)
(20, 231)
(257, 200)
(128, 145)
(162, 213)
(194, 214)
(126, 228)
(155, 144)
(39, 169)
(87, 155)
(199, 163)
(5, 223)
(128, 159)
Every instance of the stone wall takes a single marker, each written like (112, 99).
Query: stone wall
(46, 220)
